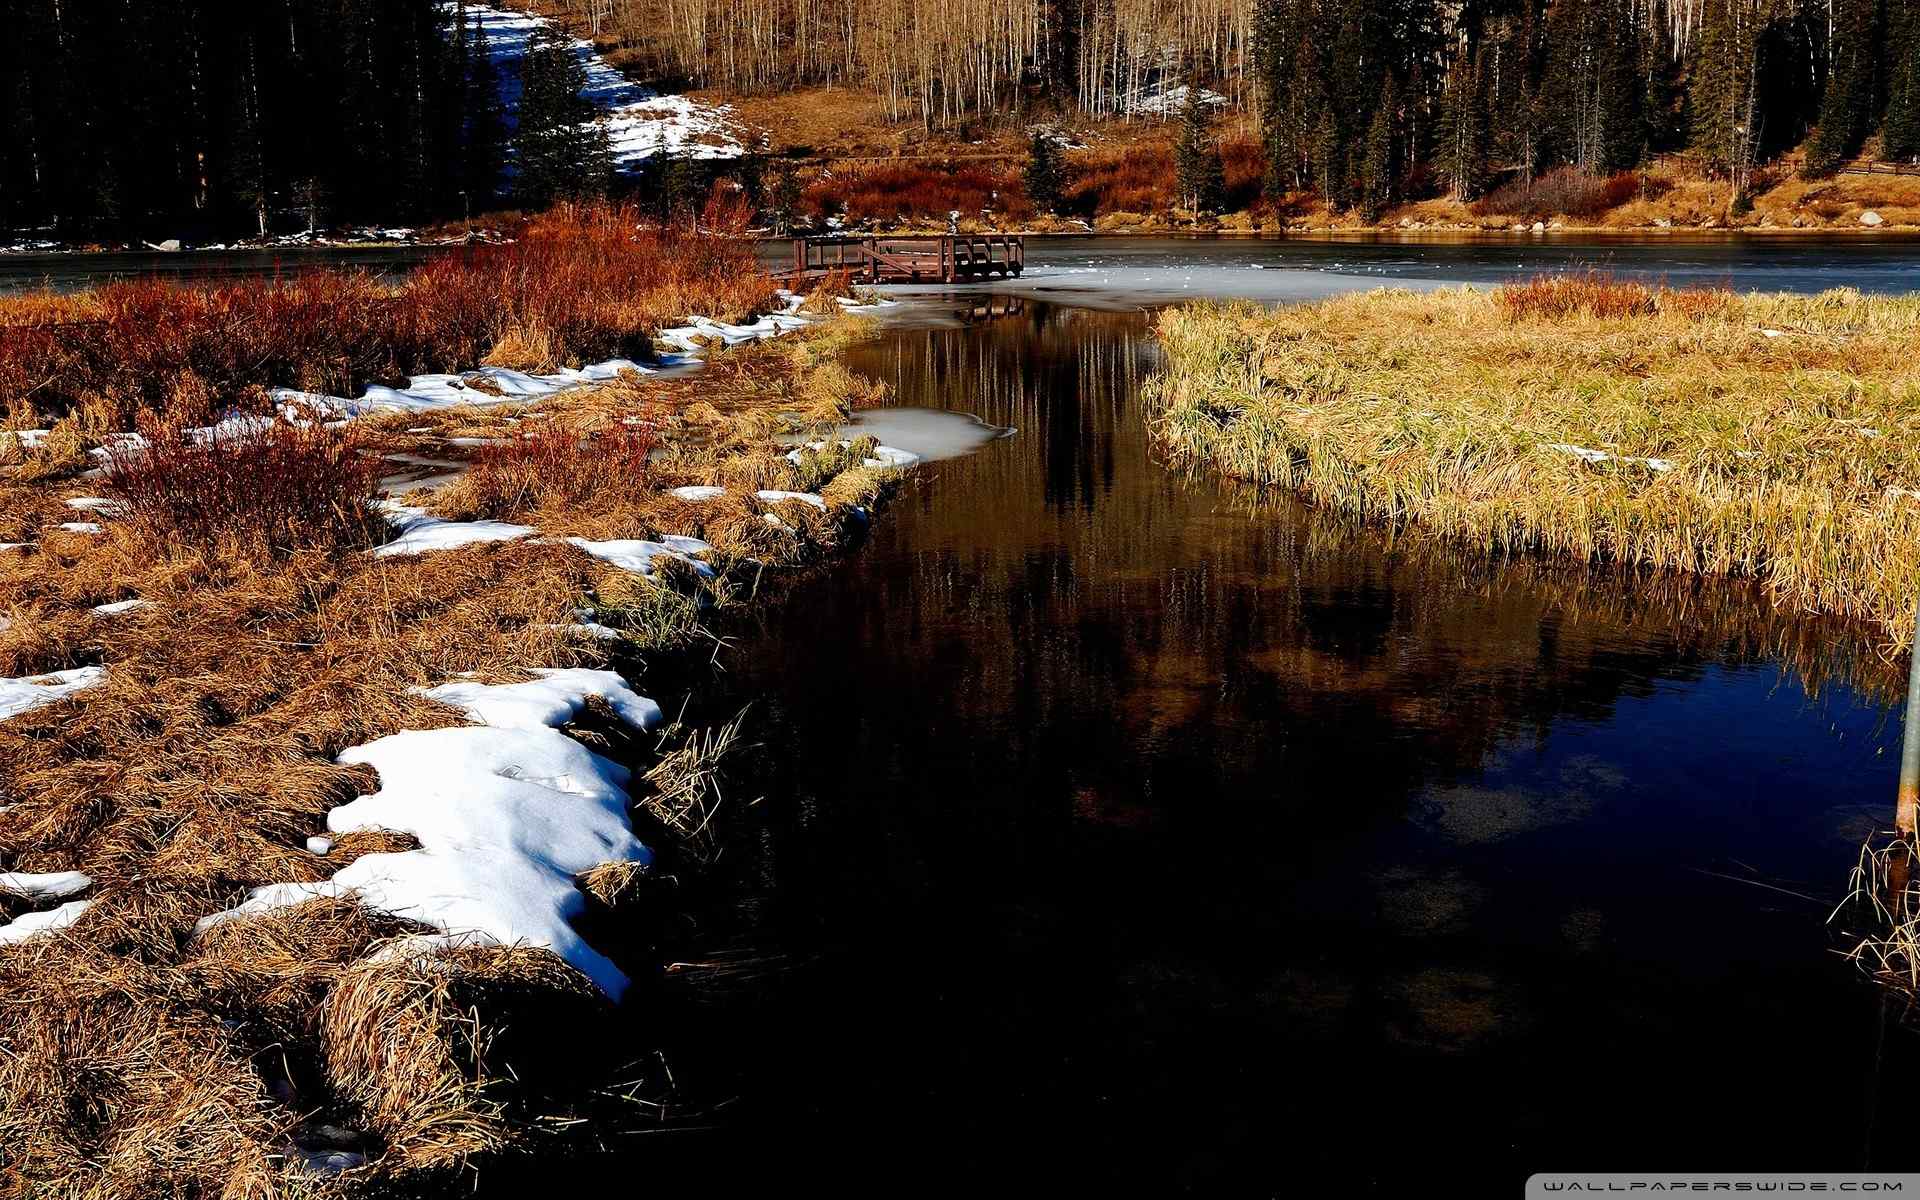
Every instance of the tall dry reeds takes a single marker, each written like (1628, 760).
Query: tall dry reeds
(578, 284)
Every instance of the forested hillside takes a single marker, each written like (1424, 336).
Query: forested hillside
(1369, 101)
(141, 118)
(132, 118)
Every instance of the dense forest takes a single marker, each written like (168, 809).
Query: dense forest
(140, 118)
(137, 118)
(1367, 100)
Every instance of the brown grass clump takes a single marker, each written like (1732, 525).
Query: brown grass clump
(824, 299)
(269, 486)
(556, 465)
(1770, 437)
(407, 1046)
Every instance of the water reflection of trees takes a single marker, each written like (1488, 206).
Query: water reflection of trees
(1111, 628)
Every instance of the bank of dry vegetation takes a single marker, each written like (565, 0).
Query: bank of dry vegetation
(579, 284)
(140, 1058)
(1769, 436)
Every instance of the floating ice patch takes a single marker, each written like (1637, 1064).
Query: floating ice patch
(637, 555)
(697, 493)
(32, 691)
(26, 925)
(421, 532)
(926, 433)
(44, 885)
(507, 815)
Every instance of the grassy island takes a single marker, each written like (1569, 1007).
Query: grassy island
(1769, 436)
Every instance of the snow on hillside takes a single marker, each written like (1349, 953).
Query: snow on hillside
(641, 123)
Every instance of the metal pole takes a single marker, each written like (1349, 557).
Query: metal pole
(1907, 806)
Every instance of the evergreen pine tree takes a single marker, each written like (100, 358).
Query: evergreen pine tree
(1199, 177)
(1377, 182)
(559, 149)
(1330, 160)
(244, 171)
(783, 196)
(484, 138)
(1900, 133)
(1846, 108)
(1045, 175)
(1460, 150)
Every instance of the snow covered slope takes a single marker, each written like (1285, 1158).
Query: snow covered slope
(641, 123)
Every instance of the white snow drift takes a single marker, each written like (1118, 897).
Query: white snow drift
(508, 812)
(29, 692)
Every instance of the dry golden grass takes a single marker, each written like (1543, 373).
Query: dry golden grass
(1787, 426)
(140, 1059)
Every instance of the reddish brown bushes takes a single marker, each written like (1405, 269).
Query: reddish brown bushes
(1136, 178)
(1594, 293)
(889, 191)
(1564, 191)
(1244, 164)
(265, 486)
(578, 283)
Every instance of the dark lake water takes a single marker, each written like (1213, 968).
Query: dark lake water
(1797, 262)
(69, 272)
(1125, 833)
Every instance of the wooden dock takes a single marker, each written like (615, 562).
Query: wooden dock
(942, 258)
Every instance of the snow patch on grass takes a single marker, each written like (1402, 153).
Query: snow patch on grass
(26, 925)
(421, 532)
(29, 692)
(637, 555)
(773, 497)
(508, 813)
(44, 885)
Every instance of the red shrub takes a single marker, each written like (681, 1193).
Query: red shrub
(1245, 163)
(1596, 293)
(1138, 178)
(888, 191)
(1563, 191)
(264, 486)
